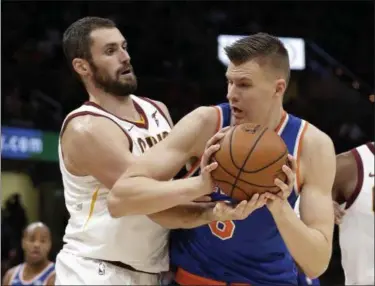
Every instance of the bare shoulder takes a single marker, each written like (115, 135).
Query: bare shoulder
(87, 136)
(315, 140)
(84, 129)
(208, 114)
(317, 156)
(8, 275)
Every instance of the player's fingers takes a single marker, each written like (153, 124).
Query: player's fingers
(209, 168)
(239, 211)
(272, 197)
(283, 187)
(251, 205)
(289, 174)
(292, 163)
(208, 154)
(261, 201)
(253, 199)
(203, 199)
(219, 135)
(225, 129)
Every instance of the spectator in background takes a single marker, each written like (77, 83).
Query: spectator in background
(13, 222)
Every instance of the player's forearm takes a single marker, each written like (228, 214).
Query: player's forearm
(189, 215)
(144, 196)
(309, 247)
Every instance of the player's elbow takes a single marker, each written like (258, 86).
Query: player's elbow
(316, 273)
(320, 266)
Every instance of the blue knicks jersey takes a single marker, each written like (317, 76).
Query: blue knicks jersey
(40, 279)
(246, 251)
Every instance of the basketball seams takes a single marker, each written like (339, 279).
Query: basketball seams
(268, 165)
(239, 179)
(230, 147)
(247, 157)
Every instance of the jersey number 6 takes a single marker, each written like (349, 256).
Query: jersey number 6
(222, 229)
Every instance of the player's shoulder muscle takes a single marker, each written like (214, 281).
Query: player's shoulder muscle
(8, 275)
(317, 154)
(199, 125)
(93, 145)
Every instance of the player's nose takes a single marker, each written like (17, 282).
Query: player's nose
(124, 56)
(232, 96)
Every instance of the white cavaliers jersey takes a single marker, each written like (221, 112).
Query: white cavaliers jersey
(357, 227)
(91, 231)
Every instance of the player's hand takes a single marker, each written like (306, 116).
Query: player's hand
(339, 212)
(207, 165)
(202, 199)
(224, 211)
(276, 201)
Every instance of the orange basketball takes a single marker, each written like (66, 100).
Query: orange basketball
(250, 157)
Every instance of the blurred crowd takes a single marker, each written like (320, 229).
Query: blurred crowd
(174, 56)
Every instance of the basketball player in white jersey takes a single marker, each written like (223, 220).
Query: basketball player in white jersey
(37, 269)
(98, 142)
(354, 191)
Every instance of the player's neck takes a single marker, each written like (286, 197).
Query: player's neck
(121, 106)
(35, 267)
(275, 118)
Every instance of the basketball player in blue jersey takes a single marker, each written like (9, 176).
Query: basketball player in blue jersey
(264, 247)
(37, 269)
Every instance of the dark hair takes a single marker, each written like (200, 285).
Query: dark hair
(76, 38)
(263, 48)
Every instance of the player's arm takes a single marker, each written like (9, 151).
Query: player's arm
(309, 240)
(138, 189)
(344, 184)
(98, 147)
(8, 275)
(346, 177)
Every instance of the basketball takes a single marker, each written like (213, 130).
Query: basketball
(249, 159)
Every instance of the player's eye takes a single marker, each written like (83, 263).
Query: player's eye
(243, 85)
(109, 51)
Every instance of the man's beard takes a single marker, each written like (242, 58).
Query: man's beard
(114, 87)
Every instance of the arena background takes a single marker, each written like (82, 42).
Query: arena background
(174, 50)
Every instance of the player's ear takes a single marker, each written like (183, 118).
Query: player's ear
(81, 66)
(280, 87)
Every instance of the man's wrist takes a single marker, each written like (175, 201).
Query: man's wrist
(280, 211)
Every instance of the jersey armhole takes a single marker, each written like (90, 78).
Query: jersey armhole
(153, 103)
(220, 118)
(359, 183)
